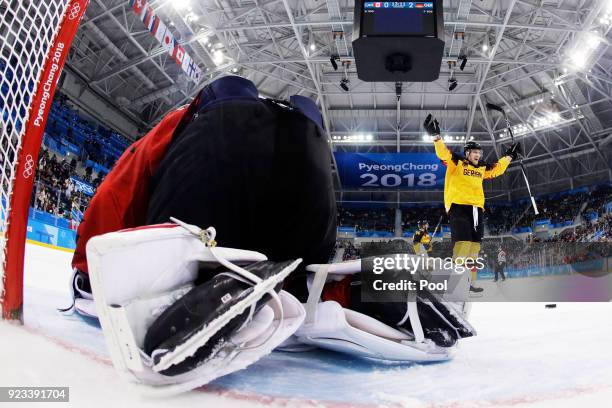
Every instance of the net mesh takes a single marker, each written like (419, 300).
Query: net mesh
(27, 31)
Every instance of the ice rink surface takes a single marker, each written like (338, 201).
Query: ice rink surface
(524, 356)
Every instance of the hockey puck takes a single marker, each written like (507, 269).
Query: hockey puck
(551, 306)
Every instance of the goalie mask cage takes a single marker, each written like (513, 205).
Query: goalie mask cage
(35, 36)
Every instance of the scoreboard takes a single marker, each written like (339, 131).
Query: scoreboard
(398, 41)
(398, 18)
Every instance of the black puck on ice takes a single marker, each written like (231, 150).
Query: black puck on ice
(551, 306)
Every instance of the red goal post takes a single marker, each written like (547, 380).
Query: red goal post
(35, 36)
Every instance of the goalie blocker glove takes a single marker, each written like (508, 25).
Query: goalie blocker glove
(178, 312)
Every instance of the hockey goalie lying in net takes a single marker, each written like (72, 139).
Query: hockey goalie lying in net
(177, 310)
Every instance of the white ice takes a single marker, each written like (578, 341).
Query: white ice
(524, 356)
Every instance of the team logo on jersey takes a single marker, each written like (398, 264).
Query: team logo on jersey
(472, 173)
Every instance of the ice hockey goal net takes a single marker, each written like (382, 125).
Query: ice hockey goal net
(35, 36)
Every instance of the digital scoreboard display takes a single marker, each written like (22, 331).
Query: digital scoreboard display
(398, 18)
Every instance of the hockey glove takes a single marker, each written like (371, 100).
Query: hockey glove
(514, 151)
(431, 125)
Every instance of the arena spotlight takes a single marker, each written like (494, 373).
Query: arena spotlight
(218, 57)
(452, 84)
(333, 60)
(463, 62)
(181, 4)
(312, 45)
(344, 84)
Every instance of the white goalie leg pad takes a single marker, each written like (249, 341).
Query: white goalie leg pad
(330, 326)
(350, 332)
(156, 259)
(136, 274)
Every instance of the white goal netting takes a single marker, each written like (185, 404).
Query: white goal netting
(28, 29)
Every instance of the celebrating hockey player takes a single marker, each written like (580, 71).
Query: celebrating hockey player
(463, 192)
(421, 240)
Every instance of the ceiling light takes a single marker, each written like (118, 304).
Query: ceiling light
(312, 45)
(592, 40)
(578, 58)
(218, 57)
(180, 4)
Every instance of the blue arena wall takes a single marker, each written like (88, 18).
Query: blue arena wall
(51, 230)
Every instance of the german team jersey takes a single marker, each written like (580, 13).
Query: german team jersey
(463, 181)
(421, 236)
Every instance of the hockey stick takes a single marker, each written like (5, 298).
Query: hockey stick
(433, 236)
(500, 110)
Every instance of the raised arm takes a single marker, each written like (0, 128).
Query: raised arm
(498, 168)
(502, 164)
(432, 127)
(441, 150)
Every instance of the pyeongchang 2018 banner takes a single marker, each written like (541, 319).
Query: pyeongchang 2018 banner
(410, 171)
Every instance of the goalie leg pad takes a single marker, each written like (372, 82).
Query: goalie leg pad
(354, 333)
(439, 320)
(136, 275)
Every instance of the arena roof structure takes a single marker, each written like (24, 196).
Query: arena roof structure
(547, 63)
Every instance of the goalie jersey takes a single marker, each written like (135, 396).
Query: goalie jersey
(257, 169)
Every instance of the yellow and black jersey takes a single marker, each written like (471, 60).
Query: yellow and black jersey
(463, 181)
(422, 237)
(421, 242)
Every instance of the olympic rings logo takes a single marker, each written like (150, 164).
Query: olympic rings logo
(29, 167)
(74, 11)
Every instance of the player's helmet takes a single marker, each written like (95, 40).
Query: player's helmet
(423, 224)
(471, 146)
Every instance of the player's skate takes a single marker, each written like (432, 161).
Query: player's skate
(178, 312)
(82, 300)
(422, 329)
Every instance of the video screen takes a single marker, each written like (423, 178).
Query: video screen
(384, 18)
